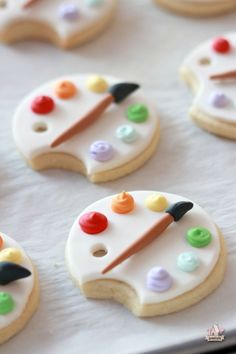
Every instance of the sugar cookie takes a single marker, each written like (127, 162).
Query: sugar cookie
(198, 7)
(105, 146)
(19, 288)
(63, 23)
(210, 72)
(154, 276)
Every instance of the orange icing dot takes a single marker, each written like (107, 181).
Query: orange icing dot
(65, 89)
(1, 242)
(123, 203)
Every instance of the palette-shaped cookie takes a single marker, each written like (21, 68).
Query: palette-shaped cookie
(181, 266)
(19, 289)
(63, 23)
(198, 7)
(123, 137)
(209, 71)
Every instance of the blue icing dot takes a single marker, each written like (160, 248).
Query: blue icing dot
(188, 261)
(94, 2)
(126, 133)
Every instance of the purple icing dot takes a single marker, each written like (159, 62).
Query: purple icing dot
(158, 279)
(68, 12)
(101, 151)
(219, 100)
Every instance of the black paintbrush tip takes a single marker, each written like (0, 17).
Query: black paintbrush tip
(122, 90)
(10, 272)
(178, 210)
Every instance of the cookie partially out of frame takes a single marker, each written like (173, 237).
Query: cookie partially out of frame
(19, 288)
(198, 7)
(63, 23)
(213, 107)
(178, 269)
(120, 141)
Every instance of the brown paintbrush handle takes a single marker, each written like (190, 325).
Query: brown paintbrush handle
(28, 3)
(224, 76)
(85, 121)
(142, 242)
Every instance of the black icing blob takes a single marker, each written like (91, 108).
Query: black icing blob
(178, 210)
(10, 272)
(122, 90)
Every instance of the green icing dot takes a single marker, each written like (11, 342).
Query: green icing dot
(6, 303)
(137, 113)
(199, 237)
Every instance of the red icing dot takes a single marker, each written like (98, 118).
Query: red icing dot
(42, 105)
(1, 241)
(221, 45)
(93, 222)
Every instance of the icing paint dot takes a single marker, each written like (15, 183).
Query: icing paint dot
(126, 133)
(122, 203)
(42, 105)
(6, 303)
(219, 100)
(156, 202)
(137, 113)
(69, 12)
(97, 84)
(221, 45)
(158, 280)
(1, 242)
(199, 237)
(188, 261)
(94, 2)
(65, 89)
(93, 222)
(11, 255)
(101, 151)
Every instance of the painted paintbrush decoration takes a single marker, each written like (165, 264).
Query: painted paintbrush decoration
(224, 76)
(28, 3)
(116, 94)
(174, 213)
(10, 272)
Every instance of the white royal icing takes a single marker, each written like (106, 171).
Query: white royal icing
(21, 289)
(33, 144)
(218, 63)
(123, 229)
(47, 11)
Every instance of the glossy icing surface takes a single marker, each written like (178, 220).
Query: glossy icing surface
(32, 143)
(19, 290)
(50, 13)
(123, 229)
(203, 62)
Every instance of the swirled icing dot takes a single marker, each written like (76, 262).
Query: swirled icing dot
(101, 151)
(94, 2)
(1, 242)
(122, 203)
(97, 84)
(6, 303)
(219, 100)
(156, 202)
(221, 45)
(199, 237)
(42, 105)
(93, 222)
(137, 113)
(69, 12)
(10, 255)
(126, 133)
(158, 280)
(65, 89)
(188, 261)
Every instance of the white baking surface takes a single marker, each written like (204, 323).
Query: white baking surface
(147, 45)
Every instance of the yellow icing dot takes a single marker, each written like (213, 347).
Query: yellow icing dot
(156, 202)
(97, 84)
(11, 255)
